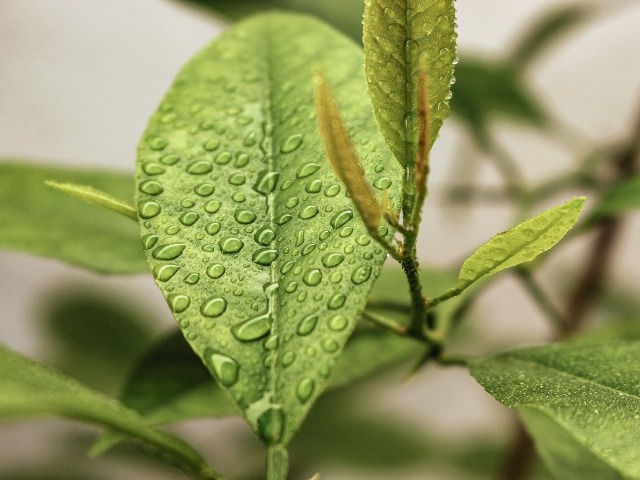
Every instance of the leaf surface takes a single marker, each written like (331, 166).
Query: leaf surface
(590, 390)
(397, 35)
(41, 221)
(261, 256)
(29, 389)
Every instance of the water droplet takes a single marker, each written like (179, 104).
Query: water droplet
(199, 168)
(187, 203)
(204, 189)
(288, 358)
(291, 143)
(349, 249)
(308, 212)
(252, 329)
(264, 256)
(212, 206)
(215, 270)
(250, 139)
(149, 240)
(363, 240)
(266, 182)
(158, 144)
(287, 267)
(244, 216)
(170, 159)
(361, 274)
(271, 425)
(230, 245)
(172, 229)
(333, 259)
(152, 168)
(192, 279)
(164, 273)
(211, 145)
(337, 301)
(242, 160)
(312, 277)
(178, 302)
(382, 183)
(150, 187)
(212, 228)
(307, 324)
(329, 345)
(340, 218)
(324, 235)
(337, 323)
(168, 251)
(291, 287)
(346, 231)
(213, 307)
(308, 249)
(237, 179)
(223, 158)
(379, 168)
(314, 186)
(282, 219)
(239, 197)
(332, 190)
(336, 277)
(225, 369)
(292, 202)
(189, 218)
(307, 169)
(305, 389)
(264, 236)
(299, 238)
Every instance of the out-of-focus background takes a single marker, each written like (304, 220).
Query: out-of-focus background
(78, 81)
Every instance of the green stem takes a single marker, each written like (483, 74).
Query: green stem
(541, 298)
(277, 462)
(385, 322)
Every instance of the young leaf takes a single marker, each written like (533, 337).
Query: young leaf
(29, 389)
(39, 220)
(397, 34)
(255, 246)
(521, 244)
(590, 390)
(92, 195)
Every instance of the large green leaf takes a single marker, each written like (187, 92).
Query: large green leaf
(590, 390)
(521, 244)
(260, 254)
(29, 389)
(398, 36)
(39, 220)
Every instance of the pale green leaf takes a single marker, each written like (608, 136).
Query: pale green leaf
(563, 455)
(94, 196)
(28, 389)
(397, 34)
(521, 244)
(260, 254)
(39, 220)
(590, 390)
(622, 198)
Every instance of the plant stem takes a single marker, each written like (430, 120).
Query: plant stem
(277, 462)
(385, 322)
(519, 457)
(542, 299)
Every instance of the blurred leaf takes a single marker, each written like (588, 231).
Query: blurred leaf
(487, 90)
(39, 220)
(622, 198)
(94, 338)
(30, 389)
(590, 390)
(546, 31)
(345, 15)
(520, 244)
(566, 458)
(96, 197)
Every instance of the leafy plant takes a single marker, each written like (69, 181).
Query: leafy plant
(282, 168)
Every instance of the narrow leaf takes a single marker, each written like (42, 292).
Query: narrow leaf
(96, 197)
(255, 246)
(521, 244)
(29, 389)
(38, 220)
(343, 157)
(589, 390)
(397, 34)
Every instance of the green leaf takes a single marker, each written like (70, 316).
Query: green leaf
(260, 254)
(39, 220)
(622, 198)
(96, 197)
(29, 389)
(545, 32)
(521, 244)
(397, 35)
(563, 455)
(590, 390)
(345, 15)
